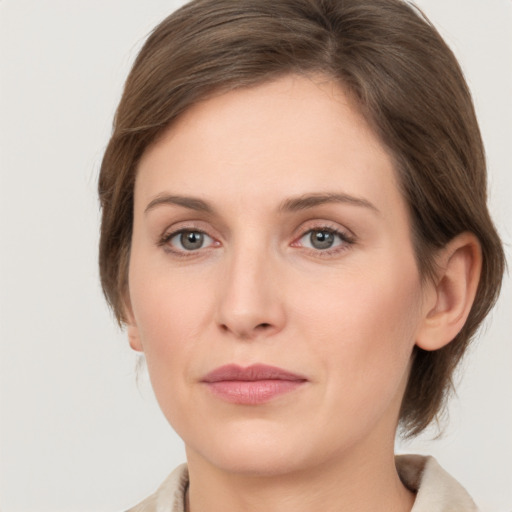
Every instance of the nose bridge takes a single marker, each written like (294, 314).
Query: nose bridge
(249, 303)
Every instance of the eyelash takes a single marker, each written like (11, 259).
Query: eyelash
(167, 237)
(346, 240)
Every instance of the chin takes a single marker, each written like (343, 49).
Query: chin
(252, 451)
(257, 462)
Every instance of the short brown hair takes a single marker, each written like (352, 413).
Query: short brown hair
(406, 82)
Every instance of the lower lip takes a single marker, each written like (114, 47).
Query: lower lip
(252, 392)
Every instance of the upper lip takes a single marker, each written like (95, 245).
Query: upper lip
(255, 372)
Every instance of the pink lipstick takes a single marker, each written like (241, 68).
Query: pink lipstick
(253, 385)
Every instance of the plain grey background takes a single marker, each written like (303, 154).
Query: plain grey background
(76, 431)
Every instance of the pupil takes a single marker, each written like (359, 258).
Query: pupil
(322, 239)
(192, 240)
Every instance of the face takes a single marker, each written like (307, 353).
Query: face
(273, 285)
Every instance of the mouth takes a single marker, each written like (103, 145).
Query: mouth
(252, 385)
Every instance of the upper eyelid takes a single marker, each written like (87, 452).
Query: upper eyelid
(340, 232)
(343, 236)
(189, 225)
(168, 234)
(319, 225)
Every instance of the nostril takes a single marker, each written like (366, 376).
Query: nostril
(247, 330)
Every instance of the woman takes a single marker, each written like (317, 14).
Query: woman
(295, 235)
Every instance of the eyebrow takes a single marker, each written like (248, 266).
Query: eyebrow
(311, 200)
(293, 204)
(191, 203)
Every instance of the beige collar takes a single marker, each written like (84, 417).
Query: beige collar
(436, 490)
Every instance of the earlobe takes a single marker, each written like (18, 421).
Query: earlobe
(453, 292)
(134, 338)
(131, 327)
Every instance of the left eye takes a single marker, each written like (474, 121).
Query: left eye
(190, 240)
(322, 239)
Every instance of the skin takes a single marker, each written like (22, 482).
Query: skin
(257, 291)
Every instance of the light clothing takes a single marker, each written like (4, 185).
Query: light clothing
(436, 490)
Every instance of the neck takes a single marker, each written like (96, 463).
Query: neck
(351, 482)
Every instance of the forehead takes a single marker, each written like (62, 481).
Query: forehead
(286, 137)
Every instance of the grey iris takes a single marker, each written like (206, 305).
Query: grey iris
(191, 240)
(321, 239)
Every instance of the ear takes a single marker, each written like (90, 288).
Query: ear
(449, 298)
(131, 326)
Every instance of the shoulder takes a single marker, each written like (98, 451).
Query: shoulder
(169, 497)
(436, 490)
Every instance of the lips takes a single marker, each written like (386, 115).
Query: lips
(252, 385)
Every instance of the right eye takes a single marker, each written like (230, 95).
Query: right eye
(189, 240)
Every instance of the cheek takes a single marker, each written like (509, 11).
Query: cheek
(169, 306)
(170, 311)
(365, 324)
(380, 300)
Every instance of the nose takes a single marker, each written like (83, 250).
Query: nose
(250, 305)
